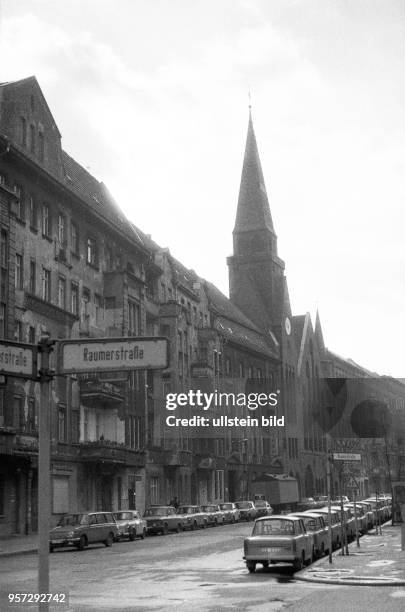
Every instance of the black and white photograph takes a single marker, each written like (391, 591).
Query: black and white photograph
(202, 298)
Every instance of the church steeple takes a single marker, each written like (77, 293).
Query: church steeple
(253, 212)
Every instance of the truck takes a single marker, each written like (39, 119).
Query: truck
(280, 490)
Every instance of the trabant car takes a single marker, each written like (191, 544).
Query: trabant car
(315, 524)
(263, 508)
(81, 529)
(361, 515)
(192, 517)
(162, 519)
(278, 539)
(214, 515)
(230, 512)
(348, 521)
(130, 525)
(335, 523)
(247, 510)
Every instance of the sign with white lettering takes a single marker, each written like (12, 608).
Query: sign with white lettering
(17, 359)
(347, 456)
(108, 354)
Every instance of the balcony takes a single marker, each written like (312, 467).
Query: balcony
(96, 393)
(170, 457)
(112, 453)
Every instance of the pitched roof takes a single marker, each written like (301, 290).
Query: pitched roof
(253, 210)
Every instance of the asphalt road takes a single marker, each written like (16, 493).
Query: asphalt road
(201, 571)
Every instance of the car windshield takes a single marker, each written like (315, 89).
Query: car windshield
(274, 527)
(243, 505)
(156, 512)
(72, 520)
(185, 510)
(260, 504)
(123, 516)
(225, 506)
(209, 508)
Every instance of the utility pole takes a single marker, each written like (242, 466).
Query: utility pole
(45, 347)
(328, 462)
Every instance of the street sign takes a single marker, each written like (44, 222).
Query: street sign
(347, 456)
(107, 354)
(18, 359)
(352, 483)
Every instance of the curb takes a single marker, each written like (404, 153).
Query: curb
(15, 553)
(352, 582)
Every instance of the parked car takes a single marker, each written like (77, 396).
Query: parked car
(214, 515)
(82, 529)
(192, 517)
(162, 519)
(276, 539)
(247, 510)
(263, 508)
(369, 513)
(306, 503)
(348, 520)
(315, 524)
(361, 515)
(335, 523)
(230, 512)
(130, 524)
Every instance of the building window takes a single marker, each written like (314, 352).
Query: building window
(219, 484)
(32, 212)
(2, 320)
(31, 334)
(1, 410)
(154, 490)
(3, 249)
(250, 372)
(61, 230)
(32, 418)
(74, 298)
(92, 258)
(18, 330)
(98, 306)
(75, 427)
(227, 367)
(20, 202)
(32, 138)
(259, 374)
(2, 494)
(33, 277)
(41, 146)
(19, 271)
(133, 318)
(46, 284)
(75, 238)
(134, 432)
(241, 369)
(62, 424)
(18, 412)
(62, 292)
(46, 221)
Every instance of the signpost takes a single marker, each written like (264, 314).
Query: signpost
(353, 485)
(74, 356)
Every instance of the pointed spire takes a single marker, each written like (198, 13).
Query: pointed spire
(318, 330)
(253, 211)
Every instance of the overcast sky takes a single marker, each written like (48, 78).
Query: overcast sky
(152, 97)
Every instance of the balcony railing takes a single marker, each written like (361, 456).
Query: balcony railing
(99, 392)
(113, 453)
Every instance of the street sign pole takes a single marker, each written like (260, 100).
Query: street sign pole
(45, 376)
(328, 460)
(355, 518)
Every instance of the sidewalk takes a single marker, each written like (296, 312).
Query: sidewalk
(378, 562)
(18, 545)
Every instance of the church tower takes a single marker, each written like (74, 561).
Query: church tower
(257, 284)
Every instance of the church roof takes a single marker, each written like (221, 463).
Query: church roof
(253, 210)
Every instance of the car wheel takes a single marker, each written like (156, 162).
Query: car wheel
(215, 523)
(165, 530)
(251, 565)
(132, 535)
(82, 542)
(203, 525)
(299, 563)
(194, 526)
(110, 539)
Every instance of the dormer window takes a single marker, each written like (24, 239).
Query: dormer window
(41, 146)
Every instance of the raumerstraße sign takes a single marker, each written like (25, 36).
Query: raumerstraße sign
(107, 354)
(18, 359)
